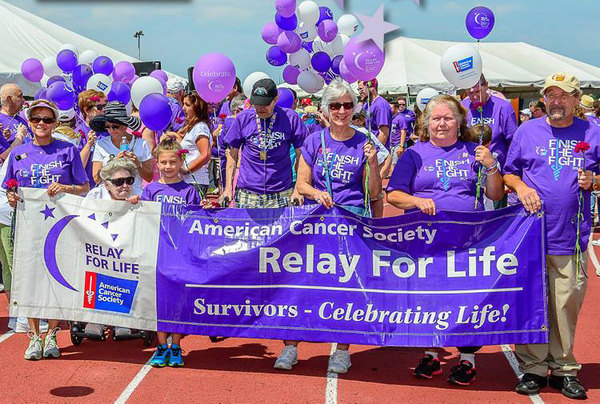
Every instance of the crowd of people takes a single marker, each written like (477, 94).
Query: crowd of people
(454, 155)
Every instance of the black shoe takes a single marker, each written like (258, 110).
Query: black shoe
(531, 384)
(428, 367)
(570, 386)
(462, 374)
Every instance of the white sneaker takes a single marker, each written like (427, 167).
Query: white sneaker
(22, 326)
(339, 361)
(287, 358)
(12, 323)
(94, 329)
(596, 242)
(34, 350)
(122, 332)
(50, 345)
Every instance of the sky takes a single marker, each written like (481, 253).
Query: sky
(178, 32)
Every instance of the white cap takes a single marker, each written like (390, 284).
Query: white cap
(174, 85)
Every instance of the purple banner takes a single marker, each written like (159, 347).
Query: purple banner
(306, 273)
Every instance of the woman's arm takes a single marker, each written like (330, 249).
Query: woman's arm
(96, 168)
(374, 175)
(150, 138)
(405, 201)
(304, 184)
(204, 148)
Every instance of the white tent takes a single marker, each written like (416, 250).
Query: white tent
(413, 64)
(25, 35)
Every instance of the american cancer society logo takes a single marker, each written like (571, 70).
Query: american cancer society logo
(463, 65)
(103, 292)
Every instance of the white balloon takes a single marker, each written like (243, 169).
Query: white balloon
(250, 80)
(335, 47)
(69, 46)
(99, 82)
(424, 96)
(319, 45)
(308, 11)
(307, 32)
(300, 59)
(87, 57)
(310, 82)
(144, 86)
(50, 67)
(44, 81)
(345, 39)
(347, 24)
(461, 65)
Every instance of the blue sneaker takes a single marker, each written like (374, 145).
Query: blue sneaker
(161, 356)
(175, 359)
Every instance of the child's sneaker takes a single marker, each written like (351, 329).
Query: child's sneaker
(462, 374)
(50, 345)
(428, 367)
(175, 359)
(34, 350)
(161, 357)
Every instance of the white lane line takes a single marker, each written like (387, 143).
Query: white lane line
(134, 383)
(6, 335)
(514, 364)
(332, 382)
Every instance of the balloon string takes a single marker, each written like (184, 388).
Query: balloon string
(480, 170)
(218, 145)
(368, 168)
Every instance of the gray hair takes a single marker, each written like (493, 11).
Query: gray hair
(336, 89)
(237, 102)
(115, 165)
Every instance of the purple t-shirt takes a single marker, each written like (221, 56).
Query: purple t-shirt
(180, 192)
(409, 117)
(346, 161)
(39, 166)
(379, 113)
(593, 119)
(12, 123)
(398, 124)
(177, 115)
(448, 175)
(499, 115)
(274, 174)
(543, 157)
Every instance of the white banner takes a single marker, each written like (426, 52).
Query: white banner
(85, 259)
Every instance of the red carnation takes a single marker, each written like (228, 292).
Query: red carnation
(94, 98)
(581, 147)
(222, 116)
(136, 134)
(182, 152)
(11, 184)
(178, 120)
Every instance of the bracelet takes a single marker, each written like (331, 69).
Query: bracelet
(73, 188)
(496, 166)
(488, 173)
(594, 183)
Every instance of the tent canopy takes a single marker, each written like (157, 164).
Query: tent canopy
(25, 35)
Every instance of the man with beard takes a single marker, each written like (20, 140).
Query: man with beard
(543, 165)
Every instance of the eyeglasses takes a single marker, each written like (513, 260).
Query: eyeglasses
(112, 127)
(336, 106)
(401, 105)
(97, 107)
(117, 182)
(38, 119)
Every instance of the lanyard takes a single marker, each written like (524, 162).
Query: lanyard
(262, 136)
(326, 164)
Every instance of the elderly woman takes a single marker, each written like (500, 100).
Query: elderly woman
(45, 163)
(440, 173)
(121, 144)
(335, 166)
(91, 104)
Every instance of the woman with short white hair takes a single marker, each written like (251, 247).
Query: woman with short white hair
(355, 178)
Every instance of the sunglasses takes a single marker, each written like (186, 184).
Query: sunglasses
(38, 119)
(336, 106)
(120, 181)
(112, 127)
(98, 107)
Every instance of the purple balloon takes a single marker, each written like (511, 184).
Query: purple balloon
(81, 75)
(155, 111)
(123, 71)
(286, 8)
(327, 30)
(480, 22)
(335, 64)
(286, 24)
(325, 13)
(321, 62)
(54, 79)
(60, 95)
(345, 73)
(133, 79)
(103, 65)
(66, 60)
(276, 57)
(214, 77)
(289, 42)
(290, 74)
(119, 91)
(270, 33)
(32, 69)
(285, 97)
(40, 95)
(159, 74)
(363, 59)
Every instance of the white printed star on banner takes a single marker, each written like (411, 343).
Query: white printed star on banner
(375, 27)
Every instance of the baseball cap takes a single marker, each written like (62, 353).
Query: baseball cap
(587, 101)
(565, 81)
(526, 111)
(264, 92)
